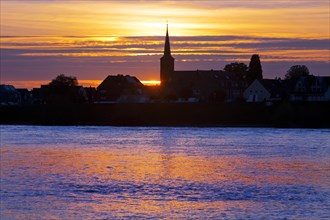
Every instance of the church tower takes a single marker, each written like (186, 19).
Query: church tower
(166, 62)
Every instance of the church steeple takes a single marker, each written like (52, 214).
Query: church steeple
(166, 62)
(167, 48)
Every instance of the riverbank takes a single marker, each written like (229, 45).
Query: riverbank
(284, 114)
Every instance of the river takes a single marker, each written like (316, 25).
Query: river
(90, 172)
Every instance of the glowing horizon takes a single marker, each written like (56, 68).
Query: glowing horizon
(85, 83)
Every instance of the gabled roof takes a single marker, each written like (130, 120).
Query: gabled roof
(324, 81)
(275, 87)
(7, 89)
(120, 82)
(308, 81)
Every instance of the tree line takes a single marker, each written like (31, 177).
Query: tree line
(254, 70)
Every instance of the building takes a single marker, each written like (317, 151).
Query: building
(304, 88)
(37, 96)
(9, 95)
(120, 88)
(91, 94)
(25, 96)
(261, 90)
(202, 85)
(310, 88)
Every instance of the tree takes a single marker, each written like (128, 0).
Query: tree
(236, 68)
(255, 69)
(297, 71)
(62, 80)
(64, 90)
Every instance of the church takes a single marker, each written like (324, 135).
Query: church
(203, 85)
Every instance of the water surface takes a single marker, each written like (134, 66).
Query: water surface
(121, 172)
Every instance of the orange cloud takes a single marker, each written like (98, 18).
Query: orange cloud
(147, 18)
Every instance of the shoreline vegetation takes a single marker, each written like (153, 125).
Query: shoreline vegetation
(282, 114)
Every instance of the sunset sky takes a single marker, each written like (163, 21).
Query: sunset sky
(41, 39)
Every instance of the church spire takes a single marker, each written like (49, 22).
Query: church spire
(167, 48)
(166, 63)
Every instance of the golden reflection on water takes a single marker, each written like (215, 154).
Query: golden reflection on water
(156, 166)
(106, 173)
(109, 167)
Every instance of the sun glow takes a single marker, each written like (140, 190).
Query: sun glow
(150, 82)
(92, 39)
(147, 18)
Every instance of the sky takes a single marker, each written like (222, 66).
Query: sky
(91, 39)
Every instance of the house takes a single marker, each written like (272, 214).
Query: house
(261, 90)
(91, 94)
(204, 85)
(208, 85)
(310, 88)
(37, 96)
(9, 95)
(25, 96)
(256, 92)
(326, 94)
(319, 89)
(120, 88)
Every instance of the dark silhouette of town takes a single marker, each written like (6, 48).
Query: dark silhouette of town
(238, 95)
